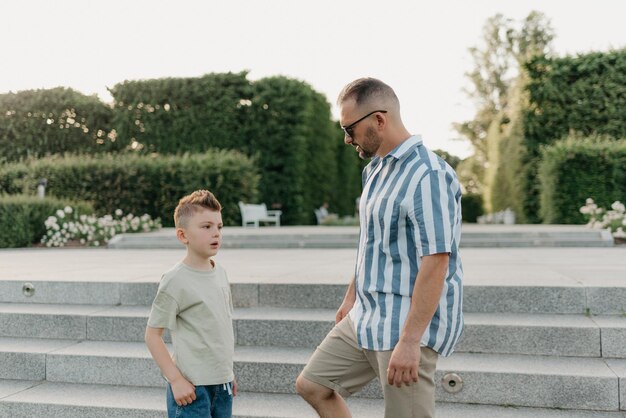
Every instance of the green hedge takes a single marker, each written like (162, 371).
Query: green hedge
(284, 124)
(22, 217)
(584, 94)
(140, 184)
(35, 123)
(573, 170)
(349, 180)
(177, 115)
(471, 207)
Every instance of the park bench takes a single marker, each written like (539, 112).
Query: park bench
(252, 215)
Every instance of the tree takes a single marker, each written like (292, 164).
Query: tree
(452, 160)
(505, 46)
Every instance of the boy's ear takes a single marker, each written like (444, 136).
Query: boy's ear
(180, 234)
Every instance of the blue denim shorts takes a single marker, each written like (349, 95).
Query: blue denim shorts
(213, 401)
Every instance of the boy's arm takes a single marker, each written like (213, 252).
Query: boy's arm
(184, 392)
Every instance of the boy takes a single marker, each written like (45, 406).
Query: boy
(194, 302)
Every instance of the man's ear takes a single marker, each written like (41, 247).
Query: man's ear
(381, 121)
(180, 234)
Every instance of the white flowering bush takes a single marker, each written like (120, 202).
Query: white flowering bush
(613, 219)
(68, 225)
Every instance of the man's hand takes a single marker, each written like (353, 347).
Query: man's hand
(343, 310)
(404, 364)
(234, 387)
(183, 391)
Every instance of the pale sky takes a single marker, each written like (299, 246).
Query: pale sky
(418, 48)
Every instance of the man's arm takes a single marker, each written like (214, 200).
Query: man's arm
(184, 392)
(404, 362)
(348, 302)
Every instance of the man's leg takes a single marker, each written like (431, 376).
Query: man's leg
(415, 401)
(326, 402)
(337, 369)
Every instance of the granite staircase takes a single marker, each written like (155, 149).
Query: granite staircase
(75, 349)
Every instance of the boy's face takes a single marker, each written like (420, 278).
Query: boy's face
(203, 233)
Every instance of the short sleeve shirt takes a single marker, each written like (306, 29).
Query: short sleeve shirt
(196, 306)
(410, 207)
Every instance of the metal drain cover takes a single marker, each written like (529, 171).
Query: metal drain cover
(452, 383)
(28, 289)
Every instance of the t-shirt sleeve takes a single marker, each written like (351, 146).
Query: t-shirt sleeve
(434, 211)
(164, 311)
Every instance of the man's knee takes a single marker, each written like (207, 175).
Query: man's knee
(310, 390)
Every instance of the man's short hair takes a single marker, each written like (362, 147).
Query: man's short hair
(192, 203)
(363, 90)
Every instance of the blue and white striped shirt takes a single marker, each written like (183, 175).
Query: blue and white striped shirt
(410, 207)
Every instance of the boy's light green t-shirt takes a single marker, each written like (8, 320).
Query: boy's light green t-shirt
(196, 306)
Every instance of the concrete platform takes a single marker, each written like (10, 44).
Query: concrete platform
(588, 267)
(473, 236)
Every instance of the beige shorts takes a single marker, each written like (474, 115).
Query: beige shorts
(341, 365)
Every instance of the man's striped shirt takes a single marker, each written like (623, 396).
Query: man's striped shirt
(410, 207)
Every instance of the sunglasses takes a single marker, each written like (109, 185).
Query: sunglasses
(349, 130)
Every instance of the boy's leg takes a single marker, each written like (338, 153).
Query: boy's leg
(338, 367)
(221, 400)
(198, 408)
(415, 401)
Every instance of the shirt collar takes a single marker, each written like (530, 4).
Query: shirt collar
(406, 146)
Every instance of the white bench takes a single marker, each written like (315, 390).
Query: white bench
(251, 215)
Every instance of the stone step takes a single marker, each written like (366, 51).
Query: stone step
(67, 400)
(562, 335)
(479, 297)
(530, 381)
(25, 358)
(27, 399)
(87, 292)
(474, 236)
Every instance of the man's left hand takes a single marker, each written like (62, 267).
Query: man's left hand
(404, 364)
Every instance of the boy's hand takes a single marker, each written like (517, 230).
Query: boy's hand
(234, 387)
(183, 391)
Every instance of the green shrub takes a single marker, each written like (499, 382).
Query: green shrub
(22, 217)
(283, 123)
(471, 207)
(575, 169)
(178, 115)
(136, 184)
(584, 94)
(348, 184)
(73, 225)
(36, 123)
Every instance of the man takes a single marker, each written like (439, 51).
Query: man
(403, 307)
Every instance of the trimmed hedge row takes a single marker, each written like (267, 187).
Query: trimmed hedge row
(140, 184)
(36, 123)
(284, 124)
(584, 94)
(176, 115)
(22, 218)
(471, 207)
(573, 170)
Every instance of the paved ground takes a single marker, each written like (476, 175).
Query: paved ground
(323, 230)
(502, 266)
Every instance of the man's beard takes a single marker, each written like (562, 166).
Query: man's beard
(372, 143)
